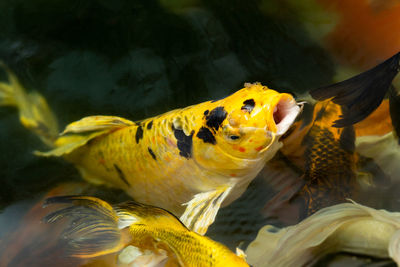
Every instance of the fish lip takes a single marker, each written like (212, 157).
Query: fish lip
(284, 113)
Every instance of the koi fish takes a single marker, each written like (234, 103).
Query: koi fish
(100, 229)
(202, 156)
(346, 227)
(321, 145)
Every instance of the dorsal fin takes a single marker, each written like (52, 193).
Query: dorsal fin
(96, 123)
(360, 95)
(131, 212)
(80, 132)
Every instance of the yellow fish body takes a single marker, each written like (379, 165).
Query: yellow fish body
(202, 156)
(101, 229)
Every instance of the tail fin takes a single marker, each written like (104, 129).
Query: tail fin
(360, 95)
(93, 229)
(34, 113)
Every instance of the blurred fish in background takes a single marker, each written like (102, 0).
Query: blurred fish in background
(322, 146)
(346, 227)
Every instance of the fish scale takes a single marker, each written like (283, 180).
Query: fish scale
(329, 164)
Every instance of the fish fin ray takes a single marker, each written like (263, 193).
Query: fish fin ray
(360, 95)
(92, 228)
(78, 133)
(201, 211)
(132, 212)
(68, 143)
(97, 123)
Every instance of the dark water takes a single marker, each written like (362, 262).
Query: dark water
(136, 59)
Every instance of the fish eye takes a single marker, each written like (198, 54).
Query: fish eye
(234, 137)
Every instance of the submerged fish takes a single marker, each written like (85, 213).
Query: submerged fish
(321, 145)
(328, 157)
(203, 156)
(98, 228)
(346, 227)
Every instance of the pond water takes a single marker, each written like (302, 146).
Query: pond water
(136, 59)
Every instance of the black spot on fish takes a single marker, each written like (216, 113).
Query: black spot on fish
(206, 135)
(216, 117)
(139, 134)
(206, 112)
(152, 153)
(149, 125)
(248, 105)
(185, 142)
(121, 175)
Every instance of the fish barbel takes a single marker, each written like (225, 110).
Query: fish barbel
(101, 229)
(201, 156)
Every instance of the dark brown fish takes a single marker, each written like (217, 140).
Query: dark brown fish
(320, 146)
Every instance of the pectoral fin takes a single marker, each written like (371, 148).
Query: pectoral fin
(201, 211)
(80, 132)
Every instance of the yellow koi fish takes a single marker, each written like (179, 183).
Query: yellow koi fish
(100, 229)
(202, 156)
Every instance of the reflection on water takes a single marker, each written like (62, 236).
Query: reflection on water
(136, 59)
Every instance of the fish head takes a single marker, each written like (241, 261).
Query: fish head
(246, 124)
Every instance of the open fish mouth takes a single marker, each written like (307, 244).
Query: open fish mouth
(284, 113)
